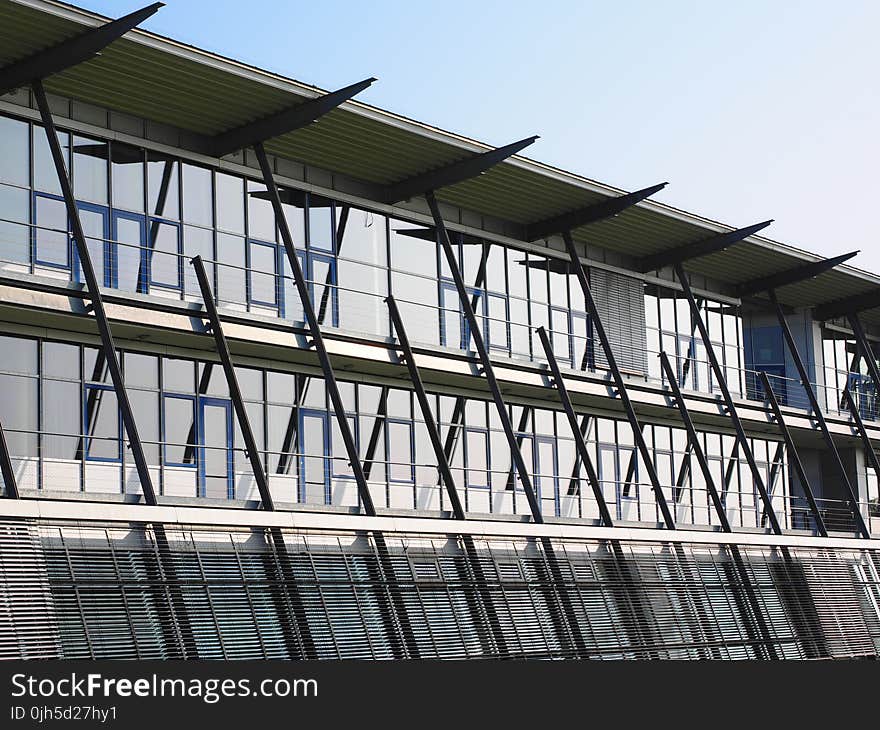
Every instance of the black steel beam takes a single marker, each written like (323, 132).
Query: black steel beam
(287, 120)
(818, 415)
(488, 370)
(315, 332)
(70, 52)
(581, 445)
(9, 480)
(94, 294)
(455, 172)
(425, 406)
(793, 455)
(863, 433)
(694, 441)
(588, 214)
(848, 305)
(865, 349)
(693, 250)
(244, 422)
(619, 381)
(574, 483)
(791, 276)
(745, 447)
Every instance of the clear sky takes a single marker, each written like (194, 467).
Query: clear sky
(750, 109)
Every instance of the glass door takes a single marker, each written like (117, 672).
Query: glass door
(314, 458)
(96, 228)
(215, 449)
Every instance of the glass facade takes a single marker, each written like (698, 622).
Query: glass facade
(65, 434)
(145, 214)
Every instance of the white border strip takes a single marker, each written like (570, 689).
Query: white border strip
(228, 517)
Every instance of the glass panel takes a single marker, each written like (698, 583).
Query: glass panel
(323, 288)
(102, 424)
(400, 452)
(14, 237)
(197, 195)
(413, 255)
(180, 431)
(14, 151)
(18, 411)
(60, 360)
(320, 223)
(477, 462)
(95, 229)
(314, 462)
(164, 187)
(62, 418)
(166, 262)
(261, 219)
(19, 355)
(263, 281)
(90, 170)
(230, 203)
(216, 453)
(230, 272)
(129, 236)
(141, 371)
(128, 177)
(51, 239)
(45, 177)
(197, 242)
(178, 375)
(145, 406)
(95, 365)
(363, 237)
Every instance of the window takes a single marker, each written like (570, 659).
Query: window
(15, 152)
(180, 431)
(401, 447)
(51, 238)
(165, 262)
(129, 234)
(230, 203)
(90, 158)
(127, 173)
(197, 197)
(14, 217)
(101, 424)
(263, 273)
(163, 188)
(477, 456)
(45, 176)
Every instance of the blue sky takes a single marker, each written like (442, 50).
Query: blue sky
(751, 110)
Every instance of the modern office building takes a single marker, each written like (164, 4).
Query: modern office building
(286, 375)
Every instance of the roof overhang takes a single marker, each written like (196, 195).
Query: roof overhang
(157, 78)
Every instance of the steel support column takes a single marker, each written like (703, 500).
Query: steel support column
(397, 607)
(488, 370)
(694, 441)
(793, 454)
(244, 422)
(865, 349)
(94, 295)
(619, 382)
(581, 445)
(728, 399)
(474, 566)
(9, 481)
(863, 434)
(315, 332)
(818, 415)
(427, 415)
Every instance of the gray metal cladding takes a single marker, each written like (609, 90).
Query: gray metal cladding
(77, 590)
